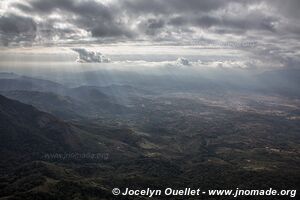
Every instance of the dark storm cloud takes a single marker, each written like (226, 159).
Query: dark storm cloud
(180, 16)
(86, 8)
(109, 30)
(15, 28)
(107, 20)
(151, 26)
(171, 6)
(248, 22)
(89, 15)
(289, 8)
(151, 20)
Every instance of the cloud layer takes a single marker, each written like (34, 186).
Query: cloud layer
(148, 19)
(271, 24)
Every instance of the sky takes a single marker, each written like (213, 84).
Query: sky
(234, 33)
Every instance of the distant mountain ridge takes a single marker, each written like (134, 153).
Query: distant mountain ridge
(23, 129)
(26, 131)
(16, 82)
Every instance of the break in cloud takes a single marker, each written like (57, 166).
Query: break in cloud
(271, 24)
